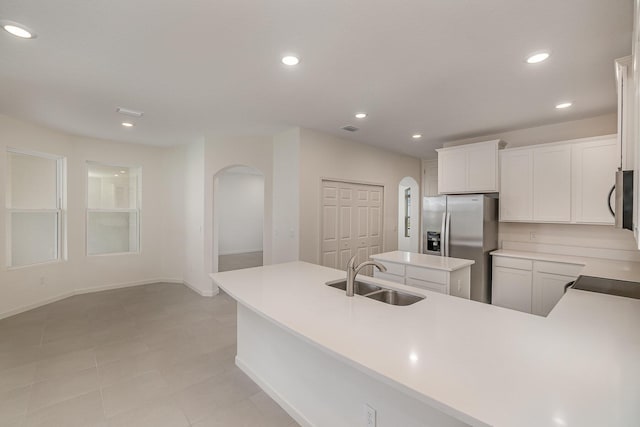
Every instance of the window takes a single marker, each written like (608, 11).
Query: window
(35, 215)
(407, 212)
(113, 209)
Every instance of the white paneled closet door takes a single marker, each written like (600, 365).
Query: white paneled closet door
(351, 223)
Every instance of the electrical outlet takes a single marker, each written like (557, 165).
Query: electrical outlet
(533, 235)
(369, 416)
(42, 281)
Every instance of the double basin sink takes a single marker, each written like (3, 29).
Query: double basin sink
(378, 293)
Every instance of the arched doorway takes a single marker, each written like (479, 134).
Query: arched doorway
(238, 218)
(408, 215)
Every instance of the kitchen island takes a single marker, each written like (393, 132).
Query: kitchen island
(443, 361)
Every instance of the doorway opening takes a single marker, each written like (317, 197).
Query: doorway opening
(238, 218)
(408, 215)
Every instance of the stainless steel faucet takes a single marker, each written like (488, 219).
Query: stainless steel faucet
(352, 272)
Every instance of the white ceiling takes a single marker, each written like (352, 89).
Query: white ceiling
(445, 68)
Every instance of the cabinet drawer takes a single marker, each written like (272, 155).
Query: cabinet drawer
(427, 274)
(506, 262)
(572, 270)
(393, 268)
(389, 277)
(430, 286)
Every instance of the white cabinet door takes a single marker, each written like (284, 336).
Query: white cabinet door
(552, 184)
(547, 291)
(387, 276)
(511, 288)
(594, 166)
(516, 185)
(471, 168)
(481, 169)
(452, 171)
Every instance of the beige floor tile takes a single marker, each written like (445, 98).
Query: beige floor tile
(130, 394)
(65, 364)
(124, 369)
(195, 370)
(56, 390)
(120, 349)
(17, 377)
(13, 405)
(241, 414)
(66, 345)
(163, 353)
(81, 411)
(163, 412)
(207, 397)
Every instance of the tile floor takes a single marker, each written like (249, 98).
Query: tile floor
(154, 355)
(239, 261)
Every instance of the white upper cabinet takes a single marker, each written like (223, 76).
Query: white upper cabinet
(564, 182)
(452, 171)
(594, 167)
(471, 168)
(516, 185)
(552, 184)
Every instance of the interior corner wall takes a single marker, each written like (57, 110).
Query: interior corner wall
(29, 286)
(324, 156)
(194, 269)
(286, 196)
(223, 152)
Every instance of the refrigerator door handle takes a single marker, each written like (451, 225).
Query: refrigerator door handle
(443, 234)
(447, 233)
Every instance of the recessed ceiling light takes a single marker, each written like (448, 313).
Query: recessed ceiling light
(123, 171)
(361, 115)
(538, 57)
(290, 60)
(127, 124)
(564, 105)
(416, 136)
(116, 174)
(18, 30)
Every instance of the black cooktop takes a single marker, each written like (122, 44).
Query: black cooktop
(620, 288)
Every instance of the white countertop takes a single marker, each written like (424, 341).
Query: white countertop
(611, 269)
(423, 260)
(483, 364)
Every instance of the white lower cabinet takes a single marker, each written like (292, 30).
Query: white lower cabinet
(456, 283)
(511, 288)
(529, 285)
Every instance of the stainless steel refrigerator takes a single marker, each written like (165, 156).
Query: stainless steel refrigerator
(463, 226)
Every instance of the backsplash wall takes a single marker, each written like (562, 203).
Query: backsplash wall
(585, 240)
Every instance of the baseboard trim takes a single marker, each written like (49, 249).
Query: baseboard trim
(272, 393)
(81, 291)
(209, 293)
(28, 307)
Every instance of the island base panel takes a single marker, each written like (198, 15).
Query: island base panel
(318, 389)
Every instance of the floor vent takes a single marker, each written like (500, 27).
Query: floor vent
(349, 128)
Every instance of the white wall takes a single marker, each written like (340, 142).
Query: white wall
(286, 196)
(595, 126)
(326, 156)
(28, 286)
(194, 203)
(239, 202)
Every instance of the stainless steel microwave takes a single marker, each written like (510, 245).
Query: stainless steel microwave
(623, 189)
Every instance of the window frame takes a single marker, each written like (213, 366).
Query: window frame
(137, 210)
(59, 210)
